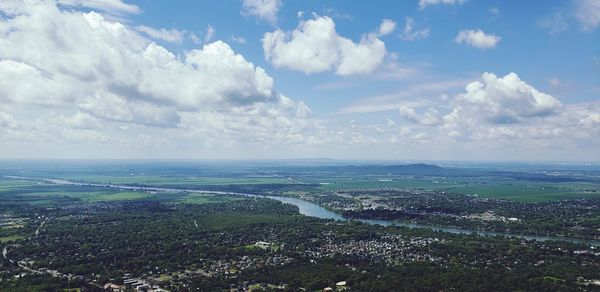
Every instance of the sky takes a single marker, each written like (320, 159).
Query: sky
(273, 79)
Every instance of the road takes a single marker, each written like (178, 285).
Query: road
(37, 231)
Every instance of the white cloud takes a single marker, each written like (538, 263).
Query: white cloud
(386, 27)
(571, 127)
(500, 116)
(167, 35)
(314, 46)
(81, 120)
(97, 55)
(390, 123)
(477, 39)
(75, 84)
(410, 34)
(587, 13)
(22, 83)
(262, 9)
(591, 120)
(109, 6)
(7, 121)
(503, 100)
(429, 118)
(425, 3)
(68, 75)
(336, 14)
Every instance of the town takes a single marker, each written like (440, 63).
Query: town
(259, 244)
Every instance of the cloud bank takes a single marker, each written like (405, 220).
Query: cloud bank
(83, 76)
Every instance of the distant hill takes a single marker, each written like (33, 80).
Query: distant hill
(415, 167)
(369, 169)
(405, 169)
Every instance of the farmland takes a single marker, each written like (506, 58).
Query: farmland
(485, 187)
(526, 186)
(43, 194)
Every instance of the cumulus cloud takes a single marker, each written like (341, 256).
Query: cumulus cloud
(425, 3)
(102, 78)
(504, 100)
(386, 27)
(477, 39)
(22, 83)
(262, 9)
(98, 55)
(315, 46)
(69, 77)
(493, 116)
(587, 13)
(572, 127)
(410, 34)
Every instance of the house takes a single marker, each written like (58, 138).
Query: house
(263, 245)
(113, 287)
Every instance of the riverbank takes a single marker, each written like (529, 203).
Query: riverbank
(314, 210)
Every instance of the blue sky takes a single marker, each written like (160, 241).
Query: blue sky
(526, 47)
(402, 80)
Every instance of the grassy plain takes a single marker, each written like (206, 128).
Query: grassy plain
(177, 180)
(10, 238)
(201, 199)
(491, 187)
(36, 193)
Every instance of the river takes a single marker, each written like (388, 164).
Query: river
(314, 210)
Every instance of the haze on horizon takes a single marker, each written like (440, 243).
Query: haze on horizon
(418, 80)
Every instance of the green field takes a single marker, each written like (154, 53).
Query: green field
(35, 193)
(200, 199)
(43, 193)
(485, 187)
(177, 180)
(98, 197)
(10, 238)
